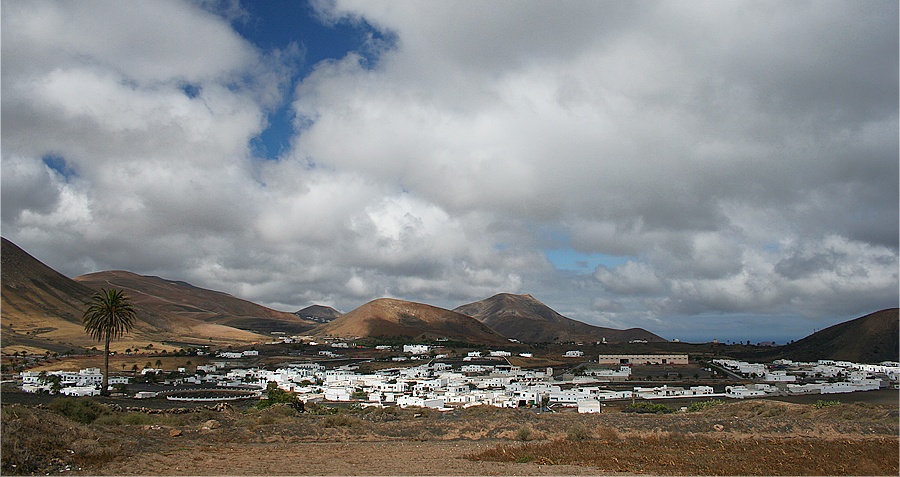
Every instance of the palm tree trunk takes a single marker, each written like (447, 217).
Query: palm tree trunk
(105, 385)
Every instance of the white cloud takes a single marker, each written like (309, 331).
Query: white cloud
(740, 157)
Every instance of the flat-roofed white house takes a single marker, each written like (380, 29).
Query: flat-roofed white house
(80, 391)
(779, 377)
(589, 406)
(416, 349)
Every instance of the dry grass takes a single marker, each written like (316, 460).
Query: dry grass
(35, 441)
(753, 438)
(668, 454)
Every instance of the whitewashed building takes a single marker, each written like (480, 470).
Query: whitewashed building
(416, 349)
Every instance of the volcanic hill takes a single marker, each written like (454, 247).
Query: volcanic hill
(872, 338)
(526, 319)
(42, 310)
(318, 313)
(391, 318)
(181, 299)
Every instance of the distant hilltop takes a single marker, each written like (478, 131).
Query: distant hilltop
(390, 318)
(524, 318)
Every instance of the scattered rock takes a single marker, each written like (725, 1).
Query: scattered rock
(174, 432)
(211, 424)
(719, 427)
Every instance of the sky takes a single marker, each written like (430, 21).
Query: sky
(704, 170)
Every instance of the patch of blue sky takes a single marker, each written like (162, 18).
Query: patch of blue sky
(276, 24)
(59, 165)
(571, 260)
(190, 90)
(276, 138)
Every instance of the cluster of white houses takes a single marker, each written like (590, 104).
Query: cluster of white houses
(832, 377)
(440, 385)
(85, 382)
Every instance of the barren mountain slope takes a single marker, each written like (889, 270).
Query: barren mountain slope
(528, 320)
(42, 310)
(318, 313)
(177, 298)
(868, 339)
(39, 303)
(386, 317)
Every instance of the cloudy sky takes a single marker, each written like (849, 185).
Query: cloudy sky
(704, 170)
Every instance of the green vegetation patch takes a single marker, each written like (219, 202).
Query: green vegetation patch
(646, 407)
(84, 409)
(703, 405)
(821, 403)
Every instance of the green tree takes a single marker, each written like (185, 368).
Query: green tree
(109, 315)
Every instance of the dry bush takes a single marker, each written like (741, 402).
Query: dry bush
(676, 454)
(36, 441)
(524, 433)
(757, 408)
(485, 411)
(857, 412)
(252, 417)
(578, 433)
(381, 414)
(94, 452)
(340, 420)
(607, 433)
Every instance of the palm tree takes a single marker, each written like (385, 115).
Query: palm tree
(109, 314)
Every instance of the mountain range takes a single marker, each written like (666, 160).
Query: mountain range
(42, 309)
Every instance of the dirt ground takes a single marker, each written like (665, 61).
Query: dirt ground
(754, 437)
(334, 458)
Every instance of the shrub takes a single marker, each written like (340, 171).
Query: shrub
(35, 441)
(607, 433)
(647, 407)
(84, 410)
(579, 433)
(320, 409)
(381, 414)
(91, 452)
(339, 420)
(275, 395)
(701, 405)
(821, 403)
(524, 434)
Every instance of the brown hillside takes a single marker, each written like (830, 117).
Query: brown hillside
(181, 299)
(528, 320)
(42, 310)
(390, 318)
(40, 306)
(318, 313)
(872, 338)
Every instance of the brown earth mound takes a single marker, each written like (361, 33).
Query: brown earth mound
(526, 319)
(390, 318)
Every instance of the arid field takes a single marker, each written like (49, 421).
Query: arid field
(757, 437)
